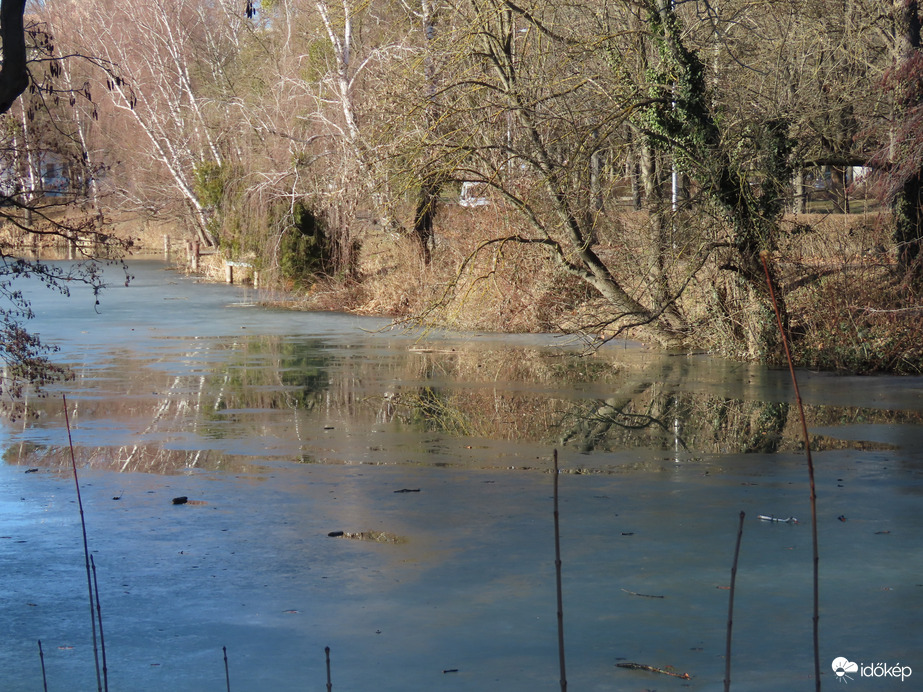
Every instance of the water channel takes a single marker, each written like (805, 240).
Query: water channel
(428, 456)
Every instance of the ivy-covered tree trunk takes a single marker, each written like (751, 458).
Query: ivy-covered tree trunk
(681, 121)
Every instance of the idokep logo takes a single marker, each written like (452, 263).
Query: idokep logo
(843, 667)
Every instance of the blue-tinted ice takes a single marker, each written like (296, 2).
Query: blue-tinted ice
(283, 427)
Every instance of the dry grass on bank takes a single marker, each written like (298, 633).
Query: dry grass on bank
(860, 312)
(851, 309)
(143, 235)
(503, 288)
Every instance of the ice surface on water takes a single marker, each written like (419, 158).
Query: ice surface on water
(301, 425)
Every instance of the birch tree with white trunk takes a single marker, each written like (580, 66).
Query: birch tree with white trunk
(156, 46)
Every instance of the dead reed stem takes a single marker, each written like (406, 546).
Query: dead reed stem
(327, 656)
(557, 569)
(227, 674)
(727, 650)
(41, 657)
(99, 621)
(807, 449)
(86, 548)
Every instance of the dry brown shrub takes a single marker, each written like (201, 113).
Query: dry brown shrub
(849, 309)
(860, 319)
(852, 308)
(471, 283)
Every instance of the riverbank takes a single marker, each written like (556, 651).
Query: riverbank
(850, 308)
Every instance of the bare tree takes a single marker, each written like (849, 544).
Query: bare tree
(163, 86)
(29, 61)
(531, 100)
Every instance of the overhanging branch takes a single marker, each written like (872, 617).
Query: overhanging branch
(14, 76)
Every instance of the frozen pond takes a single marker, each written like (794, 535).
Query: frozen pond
(432, 455)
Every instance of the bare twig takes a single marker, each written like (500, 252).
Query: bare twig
(41, 657)
(727, 651)
(652, 669)
(227, 675)
(642, 595)
(807, 449)
(86, 548)
(99, 620)
(872, 311)
(557, 569)
(327, 656)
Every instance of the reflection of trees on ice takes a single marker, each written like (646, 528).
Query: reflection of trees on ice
(220, 404)
(182, 409)
(387, 409)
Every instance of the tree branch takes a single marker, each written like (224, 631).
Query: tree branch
(14, 76)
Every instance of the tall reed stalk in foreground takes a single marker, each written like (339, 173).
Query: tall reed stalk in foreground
(86, 548)
(727, 651)
(227, 674)
(99, 621)
(557, 569)
(41, 657)
(327, 656)
(807, 449)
